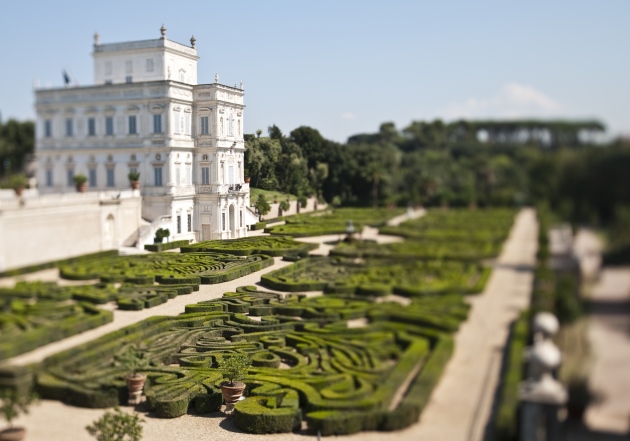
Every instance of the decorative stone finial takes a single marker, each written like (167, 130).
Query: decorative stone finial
(193, 40)
(163, 31)
(96, 39)
(216, 77)
(241, 84)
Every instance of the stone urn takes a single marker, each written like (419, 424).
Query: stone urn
(232, 392)
(135, 385)
(13, 434)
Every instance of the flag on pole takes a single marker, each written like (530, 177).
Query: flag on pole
(66, 77)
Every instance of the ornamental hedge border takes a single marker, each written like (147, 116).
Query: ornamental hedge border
(156, 247)
(246, 246)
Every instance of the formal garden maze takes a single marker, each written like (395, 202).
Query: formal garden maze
(34, 314)
(364, 355)
(379, 276)
(307, 363)
(167, 268)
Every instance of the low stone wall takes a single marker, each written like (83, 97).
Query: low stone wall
(39, 229)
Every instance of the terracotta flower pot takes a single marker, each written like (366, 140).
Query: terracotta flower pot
(13, 434)
(231, 394)
(18, 191)
(81, 187)
(247, 179)
(134, 185)
(135, 384)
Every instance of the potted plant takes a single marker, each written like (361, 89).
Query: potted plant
(234, 368)
(248, 179)
(17, 182)
(12, 404)
(133, 360)
(80, 182)
(134, 179)
(160, 234)
(117, 425)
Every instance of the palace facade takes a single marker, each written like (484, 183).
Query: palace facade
(147, 114)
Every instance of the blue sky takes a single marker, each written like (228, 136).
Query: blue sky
(345, 66)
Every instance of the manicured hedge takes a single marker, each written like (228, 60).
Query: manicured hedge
(506, 414)
(166, 246)
(246, 246)
(168, 268)
(379, 276)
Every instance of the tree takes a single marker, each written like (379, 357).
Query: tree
(262, 206)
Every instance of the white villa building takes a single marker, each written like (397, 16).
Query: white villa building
(147, 113)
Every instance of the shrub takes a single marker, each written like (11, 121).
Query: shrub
(117, 425)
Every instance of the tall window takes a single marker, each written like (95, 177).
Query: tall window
(128, 79)
(189, 222)
(48, 128)
(178, 175)
(187, 124)
(91, 127)
(157, 123)
(157, 175)
(205, 175)
(49, 178)
(223, 221)
(128, 66)
(176, 122)
(132, 125)
(110, 177)
(231, 126)
(241, 218)
(231, 174)
(149, 64)
(109, 125)
(204, 125)
(92, 177)
(179, 224)
(69, 127)
(188, 175)
(70, 177)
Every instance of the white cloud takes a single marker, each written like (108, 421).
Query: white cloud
(513, 100)
(349, 116)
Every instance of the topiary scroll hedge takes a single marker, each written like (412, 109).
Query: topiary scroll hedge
(308, 363)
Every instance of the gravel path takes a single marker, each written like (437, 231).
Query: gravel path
(457, 410)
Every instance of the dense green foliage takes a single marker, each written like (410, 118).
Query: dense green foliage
(327, 369)
(462, 163)
(17, 145)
